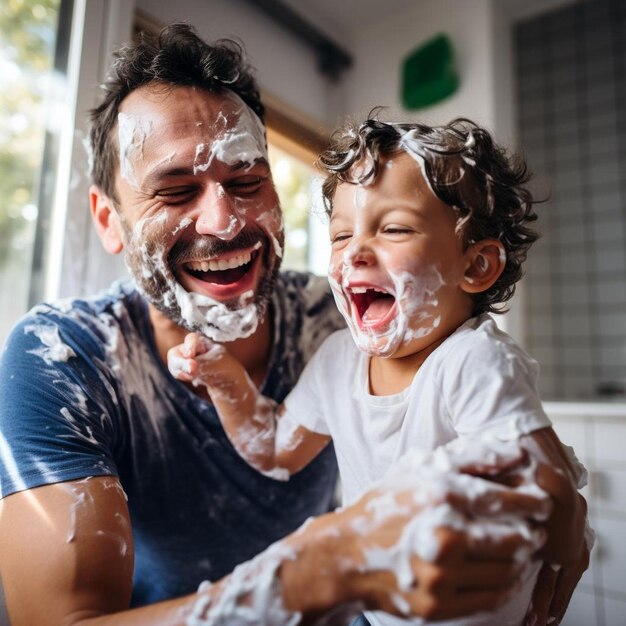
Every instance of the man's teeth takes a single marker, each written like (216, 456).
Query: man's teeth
(221, 264)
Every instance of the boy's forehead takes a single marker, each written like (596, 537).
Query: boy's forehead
(398, 173)
(400, 183)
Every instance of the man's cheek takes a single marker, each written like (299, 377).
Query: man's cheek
(157, 229)
(271, 222)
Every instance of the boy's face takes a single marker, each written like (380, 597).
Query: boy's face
(397, 264)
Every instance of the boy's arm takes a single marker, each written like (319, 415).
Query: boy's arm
(267, 438)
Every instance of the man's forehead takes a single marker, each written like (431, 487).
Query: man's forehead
(190, 106)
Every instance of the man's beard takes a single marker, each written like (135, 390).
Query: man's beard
(151, 265)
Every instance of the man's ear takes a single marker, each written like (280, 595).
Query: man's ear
(485, 263)
(106, 219)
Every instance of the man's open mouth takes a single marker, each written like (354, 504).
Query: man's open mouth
(223, 271)
(372, 305)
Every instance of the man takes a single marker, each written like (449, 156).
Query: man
(120, 487)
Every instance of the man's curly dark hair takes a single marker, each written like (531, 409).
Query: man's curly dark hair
(465, 169)
(174, 57)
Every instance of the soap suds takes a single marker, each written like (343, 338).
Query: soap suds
(54, 350)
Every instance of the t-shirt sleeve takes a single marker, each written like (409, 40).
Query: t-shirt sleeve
(56, 405)
(490, 385)
(305, 404)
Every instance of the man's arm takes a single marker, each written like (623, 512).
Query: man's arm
(257, 427)
(67, 558)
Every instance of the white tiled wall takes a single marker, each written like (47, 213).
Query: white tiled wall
(598, 435)
(572, 112)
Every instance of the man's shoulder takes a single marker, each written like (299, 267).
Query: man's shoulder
(305, 285)
(64, 322)
(120, 293)
(308, 309)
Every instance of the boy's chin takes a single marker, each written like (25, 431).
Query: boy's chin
(382, 346)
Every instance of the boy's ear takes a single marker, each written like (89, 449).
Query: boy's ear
(106, 219)
(486, 261)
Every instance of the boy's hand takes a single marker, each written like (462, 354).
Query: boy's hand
(197, 360)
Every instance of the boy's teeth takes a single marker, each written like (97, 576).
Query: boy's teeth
(366, 289)
(221, 264)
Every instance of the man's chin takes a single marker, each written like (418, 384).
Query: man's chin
(193, 306)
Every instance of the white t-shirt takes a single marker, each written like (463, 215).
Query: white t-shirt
(477, 380)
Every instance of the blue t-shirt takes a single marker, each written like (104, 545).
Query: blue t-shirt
(83, 392)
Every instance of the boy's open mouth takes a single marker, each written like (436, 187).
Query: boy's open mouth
(372, 305)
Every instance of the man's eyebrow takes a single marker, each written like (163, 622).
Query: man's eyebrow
(163, 172)
(239, 165)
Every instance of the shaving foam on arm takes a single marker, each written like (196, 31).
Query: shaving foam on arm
(275, 446)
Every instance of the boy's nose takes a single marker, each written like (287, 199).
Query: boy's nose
(359, 253)
(218, 215)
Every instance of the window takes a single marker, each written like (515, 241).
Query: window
(28, 32)
(294, 145)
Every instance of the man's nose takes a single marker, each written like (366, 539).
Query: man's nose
(218, 214)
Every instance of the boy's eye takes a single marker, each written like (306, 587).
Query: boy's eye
(340, 237)
(396, 230)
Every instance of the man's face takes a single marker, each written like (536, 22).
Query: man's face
(396, 262)
(201, 221)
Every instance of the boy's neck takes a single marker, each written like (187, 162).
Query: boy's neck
(388, 376)
(393, 374)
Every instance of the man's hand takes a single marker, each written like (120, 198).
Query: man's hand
(569, 538)
(430, 540)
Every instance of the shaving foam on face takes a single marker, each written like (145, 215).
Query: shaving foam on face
(132, 134)
(217, 320)
(415, 302)
(235, 136)
(241, 142)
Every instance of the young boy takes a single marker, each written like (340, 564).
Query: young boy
(429, 229)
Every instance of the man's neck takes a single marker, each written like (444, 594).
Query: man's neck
(252, 352)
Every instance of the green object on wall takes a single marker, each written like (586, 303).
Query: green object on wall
(428, 73)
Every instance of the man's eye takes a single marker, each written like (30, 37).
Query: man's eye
(246, 185)
(173, 196)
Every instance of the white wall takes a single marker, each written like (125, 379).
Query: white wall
(380, 48)
(597, 433)
(285, 67)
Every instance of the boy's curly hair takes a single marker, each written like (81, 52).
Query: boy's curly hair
(176, 56)
(464, 168)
